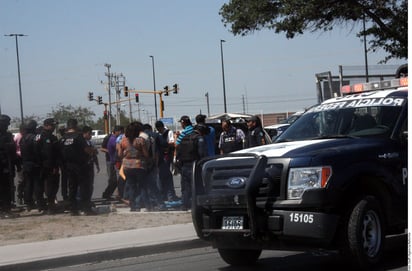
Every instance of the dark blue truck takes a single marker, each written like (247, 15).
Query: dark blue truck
(335, 179)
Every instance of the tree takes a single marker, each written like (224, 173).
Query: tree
(388, 19)
(64, 112)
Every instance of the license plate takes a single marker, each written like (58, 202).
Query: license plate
(232, 223)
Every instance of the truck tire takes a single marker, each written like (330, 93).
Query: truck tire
(366, 233)
(240, 256)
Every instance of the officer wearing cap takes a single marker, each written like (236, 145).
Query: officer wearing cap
(49, 156)
(255, 135)
(8, 159)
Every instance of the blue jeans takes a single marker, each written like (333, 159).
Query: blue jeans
(137, 182)
(186, 184)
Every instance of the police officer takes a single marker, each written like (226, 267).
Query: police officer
(231, 139)
(91, 163)
(255, 136)
(49, 154)
(75, 154)
(189, 148)
(31, 167)
(7, 162)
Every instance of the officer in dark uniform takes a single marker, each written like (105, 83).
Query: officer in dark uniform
(8, 159)
(75, 154)
(49, 154)
(31, 167)
(255, 135)
(191, 147)
(231, 139)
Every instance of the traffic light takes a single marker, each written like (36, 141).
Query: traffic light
(137, 97)
(90, 96)
(99, 100)
(175, 87)
(126, 91)
(166, 90)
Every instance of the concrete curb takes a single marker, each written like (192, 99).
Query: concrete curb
(98, 247)
(106, 255)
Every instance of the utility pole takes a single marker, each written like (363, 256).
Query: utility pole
(223, 75)
(154, 86)
(207, 102)
(365, 49)
(243, 103)
(110, 96)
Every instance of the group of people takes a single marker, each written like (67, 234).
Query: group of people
(138, 161)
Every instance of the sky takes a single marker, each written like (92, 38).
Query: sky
(69, 42)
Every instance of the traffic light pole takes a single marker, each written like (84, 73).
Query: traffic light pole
(165, 92)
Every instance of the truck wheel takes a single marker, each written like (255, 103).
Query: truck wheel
(239, 256)
(366, 233)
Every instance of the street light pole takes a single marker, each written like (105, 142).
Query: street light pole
(154, 86)
(223, 75)
(365, 49)
(18, 71)
(110, 96)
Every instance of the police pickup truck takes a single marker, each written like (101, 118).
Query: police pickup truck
(336, 179)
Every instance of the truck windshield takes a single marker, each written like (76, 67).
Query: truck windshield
(343, 122)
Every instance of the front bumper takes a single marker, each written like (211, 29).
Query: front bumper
(265, 226)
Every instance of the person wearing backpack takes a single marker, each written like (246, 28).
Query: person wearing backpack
(190, 147)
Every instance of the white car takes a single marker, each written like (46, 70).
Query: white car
(98, 136)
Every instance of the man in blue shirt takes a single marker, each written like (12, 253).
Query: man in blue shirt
(210, 135)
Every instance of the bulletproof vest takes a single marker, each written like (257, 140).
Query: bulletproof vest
(72, 146)
(187, 150)
(230, 142)
(29, 147)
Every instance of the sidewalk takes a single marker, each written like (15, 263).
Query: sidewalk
(98, 247)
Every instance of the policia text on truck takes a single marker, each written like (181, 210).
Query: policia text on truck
(335, 179)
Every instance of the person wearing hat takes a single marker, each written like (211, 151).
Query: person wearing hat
(231, 139)
(8, 159)
(50, 157)
(187, 126)
(255, 135)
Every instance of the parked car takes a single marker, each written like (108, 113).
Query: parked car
(276, 129)
(98, 136)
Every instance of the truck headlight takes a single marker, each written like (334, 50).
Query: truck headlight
(302, 179)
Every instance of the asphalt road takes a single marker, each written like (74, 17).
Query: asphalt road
(208, 259)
